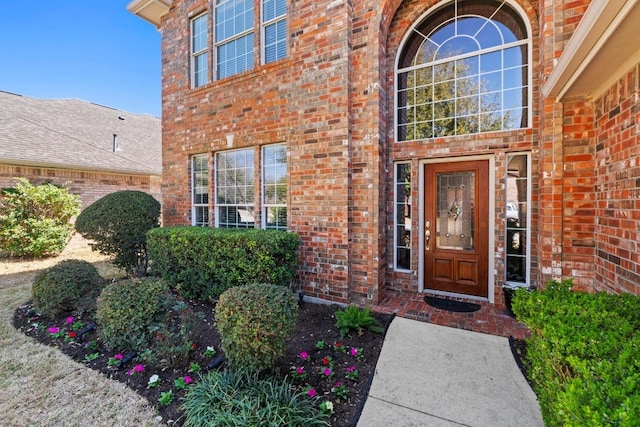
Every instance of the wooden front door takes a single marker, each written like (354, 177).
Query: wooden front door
(456, 228)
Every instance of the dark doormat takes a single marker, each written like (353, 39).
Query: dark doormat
(451, 305)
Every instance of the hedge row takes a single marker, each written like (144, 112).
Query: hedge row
(201, 262)
(583, 354)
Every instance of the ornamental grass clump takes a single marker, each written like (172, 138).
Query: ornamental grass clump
(130, 310)
(254, 321)
(231, 398)
(356, 319)
(69, 286)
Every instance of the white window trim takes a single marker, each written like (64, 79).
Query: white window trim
(527, 282)
(263, 208)
(215, 188)
(395, 218)
(263, 29)
(218, 43)
(195, 205)
(195, 55)
(419, 20)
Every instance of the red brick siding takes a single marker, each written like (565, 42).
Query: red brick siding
(90, 186)
(617, 159)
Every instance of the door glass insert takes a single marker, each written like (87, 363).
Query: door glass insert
(455, 216)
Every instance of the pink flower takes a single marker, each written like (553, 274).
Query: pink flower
(118, 356)
(138, 368)
(53, 330)
(70, 320)
(300, 370)
(304, 355)
(353, 351)
(351, 368)
(338, 384)
(327, 372)
(188, 379)
(312, 392)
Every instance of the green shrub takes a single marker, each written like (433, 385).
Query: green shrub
(254, 322)
(117, 224)
(356, 319)
(202, 262)
(240, 399)
(583, 354)
(35, 220)
(130, 310)
(69, 286)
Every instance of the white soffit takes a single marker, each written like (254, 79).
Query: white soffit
(150, 10)
(604, 46)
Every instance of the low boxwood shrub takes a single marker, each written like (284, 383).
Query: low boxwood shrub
(583, 354)
(35, 220)
(254, 321)
(117, 224)
(203, 262)
(231, 398)
(69, 286)
(129, 311)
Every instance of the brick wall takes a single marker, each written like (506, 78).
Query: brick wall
(617, 170)
(90, 186)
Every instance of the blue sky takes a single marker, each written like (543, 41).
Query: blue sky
(93, 50)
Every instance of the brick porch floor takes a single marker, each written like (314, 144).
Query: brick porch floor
(490, 319)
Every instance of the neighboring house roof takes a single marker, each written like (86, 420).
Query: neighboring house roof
(76, 134)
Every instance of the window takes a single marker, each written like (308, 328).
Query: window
(402, 210)
(274, 27)
(199, 51)
(235, 189)
(200, 190)
(463, 70)
(234, 37)
(274, 187)
(517, 215)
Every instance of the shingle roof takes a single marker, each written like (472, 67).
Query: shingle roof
(76, 134)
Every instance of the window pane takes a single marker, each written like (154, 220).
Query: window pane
(200, 190)
(516, 239)
(403, 216)
(274, 186)
(275, 41)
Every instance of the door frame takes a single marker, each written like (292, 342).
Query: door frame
(491, 221)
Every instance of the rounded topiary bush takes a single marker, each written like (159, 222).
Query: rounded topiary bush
(118, 224)
(254, 322)
(69, 286)
(128, 311)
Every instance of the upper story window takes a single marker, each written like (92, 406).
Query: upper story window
(274, 30)
(463, 70)
(234, 37)
(199, 51)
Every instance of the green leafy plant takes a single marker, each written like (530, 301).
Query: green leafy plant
(128, 311)
(35, 220)
(117, 224)
(70, 285)
(254, 322)
(202, 262)
(166, 397)
(583, 354)
(356, 319)
(239, 398)
(90, 357)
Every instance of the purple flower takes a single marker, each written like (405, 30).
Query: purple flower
(312, 392)
(327, 372)
(53, 330)
(353, 351)
(300, 370)
(118, 356)
(70, 320)
(304, 355)
(188, 379)
(138, 368)
(351, 368)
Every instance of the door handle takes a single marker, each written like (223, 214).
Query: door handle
(427, 237)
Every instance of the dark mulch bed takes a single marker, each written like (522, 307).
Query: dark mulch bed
(315, 322)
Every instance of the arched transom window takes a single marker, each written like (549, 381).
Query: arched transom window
(463, 70)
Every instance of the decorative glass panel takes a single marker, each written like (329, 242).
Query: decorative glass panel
(402, 221)
(455, 222)
(517, 221)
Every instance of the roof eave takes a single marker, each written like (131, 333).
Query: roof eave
(150, 10)
(601, 49)
(28, 163)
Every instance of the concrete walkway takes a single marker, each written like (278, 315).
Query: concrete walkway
(430, 375)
